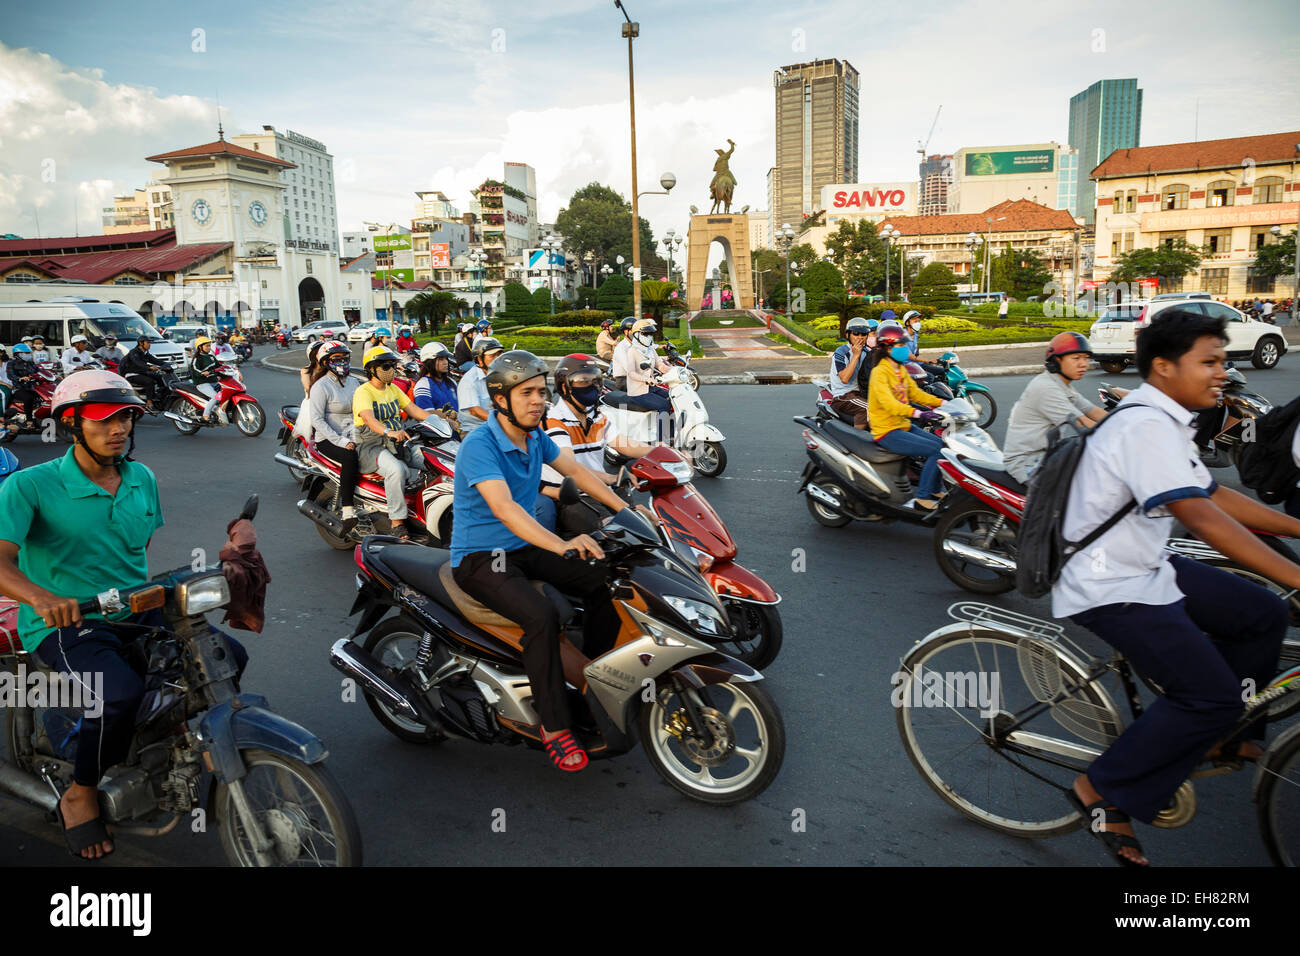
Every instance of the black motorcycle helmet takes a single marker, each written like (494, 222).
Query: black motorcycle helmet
(509, 370)
(569, 367)
(483, 346)
(626, 325)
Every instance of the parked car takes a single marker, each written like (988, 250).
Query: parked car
(360, 333)
(310, 333)
(1114, 334)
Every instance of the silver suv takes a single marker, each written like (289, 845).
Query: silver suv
(1114, 335)
(310, 333)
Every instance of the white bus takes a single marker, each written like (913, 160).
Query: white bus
(60, 319)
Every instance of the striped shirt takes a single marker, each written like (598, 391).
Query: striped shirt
(568, 431)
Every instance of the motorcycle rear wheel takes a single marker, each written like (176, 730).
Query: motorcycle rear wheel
(183, 408)
(964, 520)
(690, 378)
(709, 459)
(249, 418)
(394, 642)
(325, 499)
(823, 515)
(672, 757)
(761, 623)
(326, 825)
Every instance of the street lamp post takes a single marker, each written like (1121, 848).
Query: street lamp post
(785, 237)
(988, 245)
(620, 260)
(667, 240)
(551, 244)
(888, 234)
(972, 243)
(388, 273)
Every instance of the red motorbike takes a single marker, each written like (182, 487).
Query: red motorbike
(187, 401)
(975, 537)
(704, 540)
(31, 422)
(282, 340)
(430, 454)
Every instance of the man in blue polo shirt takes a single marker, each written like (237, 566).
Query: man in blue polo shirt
(497, 546)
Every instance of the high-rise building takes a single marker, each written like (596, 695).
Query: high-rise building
(434, 204)
(984, 176)
(310, 212)
(521, 210)
(1103, 118)
(816, 135)
(936, 178)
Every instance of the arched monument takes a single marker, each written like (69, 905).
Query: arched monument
(732, 230)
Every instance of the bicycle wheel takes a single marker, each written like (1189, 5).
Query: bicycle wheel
(1277, 802)
(956, 697)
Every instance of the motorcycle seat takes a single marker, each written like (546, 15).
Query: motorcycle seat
(484, 616)
(326, 460)
(998, 476)
(860, 443)
(632, 403)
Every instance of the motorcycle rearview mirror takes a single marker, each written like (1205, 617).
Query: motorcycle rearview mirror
(250, 508)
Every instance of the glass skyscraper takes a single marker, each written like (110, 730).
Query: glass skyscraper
(1103, 118)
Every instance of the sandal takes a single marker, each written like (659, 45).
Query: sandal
(83, 836)
(1113, 842)
(562, 746)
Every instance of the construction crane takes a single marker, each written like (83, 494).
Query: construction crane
(922, 147)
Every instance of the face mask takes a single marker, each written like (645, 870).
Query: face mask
(916, 329)
(871, 340)
(900, 353)
(643, 339)
(586, 397)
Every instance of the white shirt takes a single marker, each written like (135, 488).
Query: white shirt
(618, 368)
(73, 360)
(472, 393)
(1146, 455)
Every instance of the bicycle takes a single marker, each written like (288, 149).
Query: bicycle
(954, 678)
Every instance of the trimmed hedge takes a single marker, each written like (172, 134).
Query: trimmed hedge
(803, 331)
(586, 317)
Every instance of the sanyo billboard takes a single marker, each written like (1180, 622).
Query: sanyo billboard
(869, 199)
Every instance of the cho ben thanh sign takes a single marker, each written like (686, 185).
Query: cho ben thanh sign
(1010, 162)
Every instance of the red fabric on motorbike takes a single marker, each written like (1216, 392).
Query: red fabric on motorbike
(246, 572)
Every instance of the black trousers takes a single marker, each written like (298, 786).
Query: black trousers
(499, 580)
(349, 469)
(30, 400)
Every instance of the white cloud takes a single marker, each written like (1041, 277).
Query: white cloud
(70, 141)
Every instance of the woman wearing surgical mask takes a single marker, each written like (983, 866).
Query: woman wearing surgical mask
(894, 419)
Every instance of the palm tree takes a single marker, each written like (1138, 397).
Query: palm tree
(840, 304)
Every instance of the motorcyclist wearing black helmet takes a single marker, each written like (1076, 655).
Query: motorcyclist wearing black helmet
(147, 372)
(497, 546)
(624, 352)
(471, 394)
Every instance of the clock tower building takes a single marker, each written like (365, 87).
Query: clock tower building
(225, 193)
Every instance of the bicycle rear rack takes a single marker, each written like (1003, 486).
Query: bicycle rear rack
(1020, 625)
(1191, 548)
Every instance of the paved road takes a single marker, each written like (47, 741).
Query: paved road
(867, 593)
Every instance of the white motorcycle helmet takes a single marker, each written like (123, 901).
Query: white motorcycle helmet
(644, 332)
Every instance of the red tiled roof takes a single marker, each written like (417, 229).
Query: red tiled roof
(220, 146)
(17, 247)
(1020, 215)
(100, 267)
(1207, 154)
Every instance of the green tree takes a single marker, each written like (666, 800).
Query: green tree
(1029, 274)
(432, 308)
(841, 304)
(818, 280)
(936, 286)
(769, 266)
(615, 295)
(657, 297)
(859, 253)
(519, 304)
(584, 297)
(542, 302)
(1276, 258)
(597, 220)
(1169, 261)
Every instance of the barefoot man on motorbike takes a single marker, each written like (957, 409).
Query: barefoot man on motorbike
(497, 546)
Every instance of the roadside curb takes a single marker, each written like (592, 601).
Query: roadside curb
(748, 378)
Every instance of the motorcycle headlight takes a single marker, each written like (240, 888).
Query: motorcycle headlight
(702, 617)
(680, 470)
(201, 595)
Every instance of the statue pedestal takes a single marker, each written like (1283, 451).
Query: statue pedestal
(733, 232)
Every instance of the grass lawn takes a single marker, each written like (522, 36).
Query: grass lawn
(740, 320)
(792, 343)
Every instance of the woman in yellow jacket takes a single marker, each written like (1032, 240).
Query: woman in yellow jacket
(890, 399)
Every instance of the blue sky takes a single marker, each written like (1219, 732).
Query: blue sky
(434, 94)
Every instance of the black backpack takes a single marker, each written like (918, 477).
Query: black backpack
(1266, 465)
(1041, 545)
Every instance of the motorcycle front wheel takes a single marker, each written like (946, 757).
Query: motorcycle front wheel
(743, 757)
(709, 459)
(758, 633)
(986, 409)
(250, 419)
(300, 808)
(690, 378)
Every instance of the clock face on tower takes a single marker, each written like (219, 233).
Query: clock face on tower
(257, 213)
(201, 211)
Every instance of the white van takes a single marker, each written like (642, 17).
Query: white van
(58, 320)
(1114, 335)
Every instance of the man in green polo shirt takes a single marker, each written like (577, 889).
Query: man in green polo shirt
(70, 529)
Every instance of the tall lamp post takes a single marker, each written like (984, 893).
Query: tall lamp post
(620, 260)
(477, 258)
(988, 245)
(552, 245)
(972, 243)
(785, 238)
(667, 241)
(631, 30)
(889, 234)
(388, 273)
